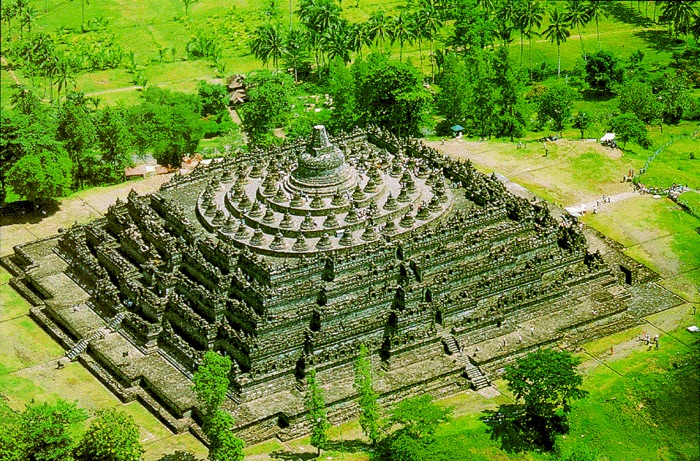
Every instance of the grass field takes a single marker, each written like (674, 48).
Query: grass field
(148, 27)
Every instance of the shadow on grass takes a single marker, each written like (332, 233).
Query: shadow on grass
(597, 96)
(623, 13)
(291, 456)
(348, 446)
(519, 432)
(659, 40)
(25, 212)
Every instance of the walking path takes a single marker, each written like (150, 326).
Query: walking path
(6, 65)
(601, 204)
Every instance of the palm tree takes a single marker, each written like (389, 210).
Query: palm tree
(379, 28)
(427, 23)
(596, 10)
(64, 75)
(531, 20)
(295, 47)
(577, 16)
(268, 43)
(487, 6)
(679, 13)
(506, 18)
(695, 27)
(402, 31)
(23, 99)
(337, 41)
(318, 16)
(557, 32)
(360, 37)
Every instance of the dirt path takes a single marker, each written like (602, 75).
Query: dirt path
(9, 71)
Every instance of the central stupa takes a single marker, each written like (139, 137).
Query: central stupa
(324, 200)
(322, 169)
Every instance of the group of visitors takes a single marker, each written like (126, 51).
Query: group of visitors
(650, 341)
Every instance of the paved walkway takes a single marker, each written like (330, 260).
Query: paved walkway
(601, 204)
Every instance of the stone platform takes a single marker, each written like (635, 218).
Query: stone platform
(289, 260)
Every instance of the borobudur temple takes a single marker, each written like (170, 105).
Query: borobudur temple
(289, 259)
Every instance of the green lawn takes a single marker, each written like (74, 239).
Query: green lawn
(691, 199)
(146, 27)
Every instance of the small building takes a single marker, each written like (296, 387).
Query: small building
(457, 131)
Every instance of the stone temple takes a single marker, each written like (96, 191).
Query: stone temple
(290, 259)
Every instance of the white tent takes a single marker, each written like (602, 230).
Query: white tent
(608, 137)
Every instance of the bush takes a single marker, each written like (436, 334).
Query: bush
(603, 71)
(540, 74)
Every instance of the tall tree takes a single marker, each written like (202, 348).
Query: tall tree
(578, 15)
(428, 22)
(342, 91)
(531, 20)
(453, 99)
(637, 98)
(369, 408)
(555, 105)
(506, 18)
(295, 50)
(472, 28)
(338, 41)
(187, 4)
(510, 118)
(210, 385)
(627, 127)
(316, 406)
(672, 93)
(46, 429)
(211, 380)
(557, 32)
(390, 94)
(112, 436)
(417, 420)
(76, 129)
(224, 446)
(268, 103)
(547, 382)
(596, 11)
(379, 28)
(402, 31)
(114, 137)
(267, 43)
(679, 13)
(603, 71)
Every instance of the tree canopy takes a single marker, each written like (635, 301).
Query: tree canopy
(390, 94)
(269, 103)
(546, 381)
(603, 71)
(211, 381)
(112, 436)
(417, 419)
(316, 406)
(369, 408)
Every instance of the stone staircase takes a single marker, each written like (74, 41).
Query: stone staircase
(475, 376)
(79, 347)
(451, 344)
(82, 345)
(116, 321)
